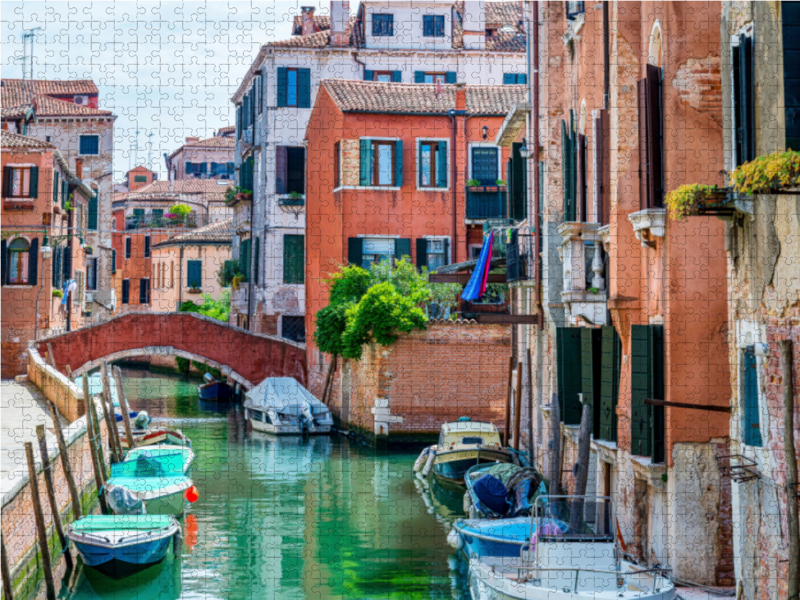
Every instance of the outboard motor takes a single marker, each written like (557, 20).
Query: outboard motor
(208, 378)
(142, 420)
(308, 416)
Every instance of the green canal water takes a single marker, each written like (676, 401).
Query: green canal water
(288, 518)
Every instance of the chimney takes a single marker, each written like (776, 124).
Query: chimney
(192, 139)
(461, 96)
(340, 23)
(308, 19)
(79, 168)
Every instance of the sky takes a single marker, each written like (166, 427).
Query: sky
(164, 68)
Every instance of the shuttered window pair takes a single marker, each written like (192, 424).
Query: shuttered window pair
(246, 174)
(290, 170)
(433, 253)
(194, 274)
(433, 25)
(21, 182)
(144, 291)
(589, 362)
(434, 77)
(294, 259)
(364, 252)
(382, 25)
(514, 78)
(127, 248)
(433, 164)
(383, 76)
(294, 87)
(381, 163)
(20, 261)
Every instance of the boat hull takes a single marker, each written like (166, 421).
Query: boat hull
(449, 468)
(215, 392)
(125, 561)
(171, 504)
(493, 537)
(288, 429)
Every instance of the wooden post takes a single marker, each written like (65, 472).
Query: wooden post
(8, 587)
(92, 436)
(518, 406)
(110, 426)
(582, 466)
(555, 447)
(531, 441)
(791, 468)
(507, 427)
(123, 407)
(50, 358)
(51, 494)
(41, 530)
(62, 450)
(108, 409)
(69, 373)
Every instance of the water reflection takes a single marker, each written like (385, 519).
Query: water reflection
(291, 517)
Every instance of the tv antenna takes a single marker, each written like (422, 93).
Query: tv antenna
(28, 39)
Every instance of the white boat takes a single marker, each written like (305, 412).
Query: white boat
(281, 406)
(569, 559)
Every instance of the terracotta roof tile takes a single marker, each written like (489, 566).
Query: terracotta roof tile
(211, 189)
(506, 41)
(320, 22)
(499, 14)
(53, 87)
(14, 94)
(226, 129)
(220, 232)
(212, 142)
(319, 39)
(13, 140)
(410, 98)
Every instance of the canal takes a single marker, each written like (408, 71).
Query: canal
(288, 518)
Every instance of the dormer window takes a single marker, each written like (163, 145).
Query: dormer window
(433, 26)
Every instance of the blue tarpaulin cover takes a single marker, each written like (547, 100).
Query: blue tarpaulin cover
(491, 492)
(477, 283)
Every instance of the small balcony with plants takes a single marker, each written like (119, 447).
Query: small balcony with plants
(486, 201)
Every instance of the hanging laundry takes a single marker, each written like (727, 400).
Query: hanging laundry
(477, 283)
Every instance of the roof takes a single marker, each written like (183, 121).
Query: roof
(53, 87)
(16, 141)
(220, 232)
(226, 129)
(416, 98)
(216, 142)
(320, 22)
(210, 189)
(15, 95)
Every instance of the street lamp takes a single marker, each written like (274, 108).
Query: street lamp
(46, 250)
(485, 132)
(524, 151)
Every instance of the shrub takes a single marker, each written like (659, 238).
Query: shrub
(180, 209)
(685, 200)
(58, 294)
(216, 309)
(228, 270)
(767, 173)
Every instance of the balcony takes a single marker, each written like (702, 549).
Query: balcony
(487, 202)
(151, 220)
(520, 255)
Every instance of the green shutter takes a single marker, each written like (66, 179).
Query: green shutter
(283, 82)
(610, 359)
(516, 184)
(368, 75)
(194, 271)
(113, 261)
(752, 429)
(354, 251)
(34, 187)
(450, 77)
(398, 163)
(303, 88)
(55, 186)
(590, 370)
(419, 76)
(33, 262)
(422, 253)
(402, 247)
(568, 340)
(244, 259)
(568, 171)
(658, 421)
(92, 217)
(441, 165)
(256, 271)
(365, 161)
(647, 381)
(294, 259)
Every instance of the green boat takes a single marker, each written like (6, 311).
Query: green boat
(165, 456)
(152, 483)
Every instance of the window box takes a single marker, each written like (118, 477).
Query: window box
(194, 291)
(289, 201)
(241, 196)
(487, 188)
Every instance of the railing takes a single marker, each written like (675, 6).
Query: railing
(157, 221)
(486, 202)
(520, 257)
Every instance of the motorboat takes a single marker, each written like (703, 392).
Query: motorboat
(213, 390)
(281, 406)
(493, 537)
(155, 437)
(153, 485)
(119, 545)
(501, 490)
(166, 454)
(566, 551)
(462, 444)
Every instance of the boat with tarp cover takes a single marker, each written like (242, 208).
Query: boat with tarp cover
(281, 406)
(120, 545)
(151, 484)
(165, 456)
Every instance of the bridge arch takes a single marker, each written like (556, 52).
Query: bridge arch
(245, 357)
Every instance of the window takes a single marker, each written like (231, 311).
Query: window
(222, 170)
(18, 262)
(90, 144)
(375, 250)
(294, 259)
(651, 136)
(751, 424)
(381, 165)
(743, 92)
(91, 274)
(432, 253)
(20, 182)
(382, 25)
(433, 25)
(294, 87)
(574, 9)
(144, 291)
(293, 328)
(484, 165)
(514, 78)
(147, 246)
(384, 76)
(434, 77)
(290, 170)
(113, 261)
(433, 164)
(194, 273)
(126, 291)
(127, 248)
(140, 178)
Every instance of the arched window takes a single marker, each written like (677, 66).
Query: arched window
(18, 256)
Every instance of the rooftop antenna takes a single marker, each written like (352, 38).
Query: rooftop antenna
(150, 150)
(133, 157)
(28, 39)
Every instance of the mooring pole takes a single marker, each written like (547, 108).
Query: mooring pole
(91, 408)
(62, 450)
(90, 434)
(108, 411)
(123, 407)
(518, 406)
(8, 588)
(41, 530)
(507, 428)
(51, 494)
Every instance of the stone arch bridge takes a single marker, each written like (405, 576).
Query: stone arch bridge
(244, 357)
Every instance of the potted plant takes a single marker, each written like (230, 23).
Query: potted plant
(88, 250)
(473, 183)
(767, 174)
(230, 195)
(178, 213)
(58, 293)
(688, 199)
(294, 199)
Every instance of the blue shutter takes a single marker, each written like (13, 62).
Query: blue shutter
(419, 76)
(509, 78)
(522, 78)
(427, 26)
(194, 269)
(752, 429)
(92, 220)
(282, 85)
(450, 77)
(55, 186)
(441, 166)
(368, 76)
(303, 88)
(34, 187)
(365, 161)
(397, 76)
(398, 163)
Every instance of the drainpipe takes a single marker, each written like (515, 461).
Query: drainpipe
(537, 219)
(359, 62)
(180, 280)
(606, 57)
(460, 110)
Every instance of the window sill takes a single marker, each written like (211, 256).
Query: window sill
(380, 188)
(433, 189)
(194, 291)
(19, 286)
(647, 224)
(20, 204)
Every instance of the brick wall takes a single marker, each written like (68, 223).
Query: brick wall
(351, 165)
(428, 377)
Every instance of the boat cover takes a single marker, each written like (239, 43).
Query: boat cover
(121, 500)
(491, 492)
(522, 485)
(147, 488)
(286, 395)
(91, 523)
(150, 463)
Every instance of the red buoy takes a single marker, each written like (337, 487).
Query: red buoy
(192, 494)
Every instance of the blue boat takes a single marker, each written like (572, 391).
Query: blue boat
(119, 546)
(213, 390)
(497, 537)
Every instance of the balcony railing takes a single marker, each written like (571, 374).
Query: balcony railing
(156, 221)
(519, 257)
(486, 202)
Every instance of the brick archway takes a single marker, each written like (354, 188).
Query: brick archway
(245, 357)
